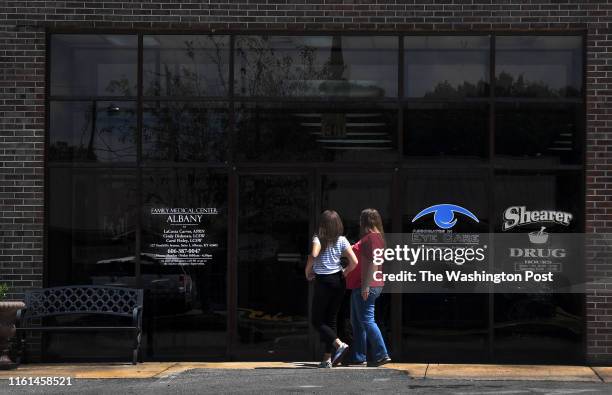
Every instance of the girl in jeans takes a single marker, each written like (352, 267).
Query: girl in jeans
(328, 246)
(365, 291)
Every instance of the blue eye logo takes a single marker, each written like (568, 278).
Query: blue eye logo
(444, 214)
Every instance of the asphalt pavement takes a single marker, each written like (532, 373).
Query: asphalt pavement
(282, 380)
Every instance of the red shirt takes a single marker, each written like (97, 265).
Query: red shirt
(363, 249)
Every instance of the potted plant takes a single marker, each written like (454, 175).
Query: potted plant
(8, 312)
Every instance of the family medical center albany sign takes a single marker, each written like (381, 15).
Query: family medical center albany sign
(182, 235)
(440, 260)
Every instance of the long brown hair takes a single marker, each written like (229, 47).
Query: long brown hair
(370, 219)
(330, 228)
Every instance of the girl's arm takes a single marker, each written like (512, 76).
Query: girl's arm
(308, 271)
(315, 249)
(367, 268)
(350, 255)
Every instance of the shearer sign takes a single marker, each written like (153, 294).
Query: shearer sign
(519, 215)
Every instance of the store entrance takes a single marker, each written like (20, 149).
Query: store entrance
(277, 215)
(274, 212)
(348, 194)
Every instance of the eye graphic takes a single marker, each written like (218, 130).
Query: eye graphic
(444, 214)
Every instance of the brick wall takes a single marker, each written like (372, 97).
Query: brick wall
(22, 64)
(22, 32)
(599, 190)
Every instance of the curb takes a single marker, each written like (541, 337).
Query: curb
(149, 370)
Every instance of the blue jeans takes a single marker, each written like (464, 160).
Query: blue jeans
(365, 330)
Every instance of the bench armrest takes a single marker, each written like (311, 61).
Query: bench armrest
(137, 317)
(20, 317)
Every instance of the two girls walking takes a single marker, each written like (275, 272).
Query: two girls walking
(331, 280)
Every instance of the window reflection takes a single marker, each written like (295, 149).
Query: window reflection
(446, 130)
(346, 195)
(100, 131)
(185, 131)
(538, 66)
(185, 65)
(313, 132)
(548, 134)
(446, 67)
(548, 325)
(316, 66)
(94, 64)
(91, 226)
(273, 242)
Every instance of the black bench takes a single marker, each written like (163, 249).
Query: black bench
(80, 299)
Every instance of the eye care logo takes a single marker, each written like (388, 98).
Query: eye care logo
(444, 214)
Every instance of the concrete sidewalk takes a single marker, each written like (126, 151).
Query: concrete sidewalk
(417, 371)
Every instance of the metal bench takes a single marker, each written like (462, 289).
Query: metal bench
(80, 299)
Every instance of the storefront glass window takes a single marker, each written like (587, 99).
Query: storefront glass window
(91, 233)
(91, 223)
(443, 130)
(538, 321)
(101, 131)
(94, 65)
(183, 264)
(266, 131)
(538, 66)
(544, 133)
(185, 131)
(295, 132)
(185, 65)
(320, 66)
(443, 67)
(453, 326)
(273, 242)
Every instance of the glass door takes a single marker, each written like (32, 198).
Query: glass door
(273, 237)
(348, 194)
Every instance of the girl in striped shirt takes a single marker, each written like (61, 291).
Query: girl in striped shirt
(324, 266)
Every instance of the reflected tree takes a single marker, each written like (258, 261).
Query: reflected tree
(198, 68)
(96, 131)
(505, 85)
(180, 130)
(446, 90)
(295, 68)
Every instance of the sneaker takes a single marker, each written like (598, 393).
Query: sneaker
(325, 364)
(380, 362)
(340, 353)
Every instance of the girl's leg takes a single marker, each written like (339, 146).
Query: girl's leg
(374, 337)
(331, 316)
(323, 296)
(341, 348)
(358, 347)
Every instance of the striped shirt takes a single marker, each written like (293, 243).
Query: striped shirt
(328, 261)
